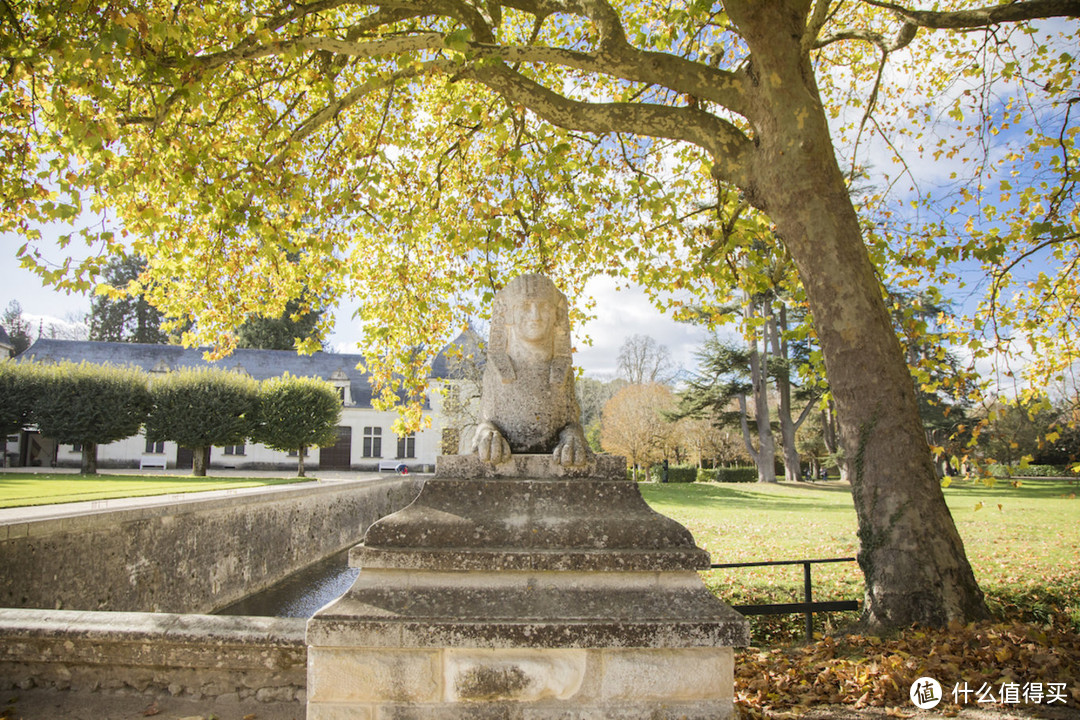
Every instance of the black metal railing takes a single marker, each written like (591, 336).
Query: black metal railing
(808, 607)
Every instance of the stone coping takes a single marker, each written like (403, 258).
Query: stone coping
(467, 559)
(137, 626)
(110, 517)
(391, 608)
(529, 524)
(544, 467)
(346, 631)
(203, 656)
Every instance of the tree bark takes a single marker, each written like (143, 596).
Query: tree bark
(829, 436)
(89, 459)
(911, 554)
(198, 462)
(300, 462)
(765, 457)
(777, 326)
(766, 470)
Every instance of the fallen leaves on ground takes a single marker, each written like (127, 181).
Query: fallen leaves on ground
(867, 671)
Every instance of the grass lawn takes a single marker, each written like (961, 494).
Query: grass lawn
(24, 489)
(1023, 543)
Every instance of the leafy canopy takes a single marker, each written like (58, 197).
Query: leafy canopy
(296, 413)
(202, 407)
(90, 404)
(415, 155)
(20, 384)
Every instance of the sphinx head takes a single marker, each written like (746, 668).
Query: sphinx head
(530, 314)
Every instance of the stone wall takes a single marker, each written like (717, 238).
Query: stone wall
(192, 556)
(203, 656)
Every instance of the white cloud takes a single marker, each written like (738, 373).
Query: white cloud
(622, 313)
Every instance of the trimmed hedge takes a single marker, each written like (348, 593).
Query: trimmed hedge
(736, 474)
(1004, 471)
(676, 473)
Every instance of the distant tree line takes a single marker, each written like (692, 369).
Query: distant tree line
(711, 417)
(88, 405)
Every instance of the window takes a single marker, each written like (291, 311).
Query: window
(234, 449)
(155, 448)
(372, 442)
(77, 447)
(294, 453)
(406, 446)
(340, 380)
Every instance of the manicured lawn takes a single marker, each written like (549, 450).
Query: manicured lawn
(23, 489)
(1023, 543)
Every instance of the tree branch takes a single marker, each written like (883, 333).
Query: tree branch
(1008, 12)
(903, 38)
(368, 49)
(332, 110)
(669, 71)
(727, 144)
(814, 24)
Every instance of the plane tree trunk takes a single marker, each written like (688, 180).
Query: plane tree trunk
(910, 552)
(765, 455)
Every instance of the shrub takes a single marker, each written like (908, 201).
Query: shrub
(202, 407)
(676, 473)
(736, 474)
(1004, 471)
(20, 384)
(295, 414)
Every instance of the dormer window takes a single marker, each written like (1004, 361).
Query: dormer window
(341, 382)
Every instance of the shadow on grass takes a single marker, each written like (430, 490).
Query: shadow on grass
(1033, 488)
(731, 496)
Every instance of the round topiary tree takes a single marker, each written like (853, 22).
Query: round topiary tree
(202, 407)
(20, 384)
(87, 404)
(296, 413)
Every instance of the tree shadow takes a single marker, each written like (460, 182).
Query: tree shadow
(722, 495)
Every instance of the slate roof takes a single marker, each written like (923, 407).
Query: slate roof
(464, 349)
(259, 364)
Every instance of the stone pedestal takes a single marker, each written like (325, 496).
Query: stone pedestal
(525, 590)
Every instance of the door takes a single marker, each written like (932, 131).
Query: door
(185, 458)
(339, 455)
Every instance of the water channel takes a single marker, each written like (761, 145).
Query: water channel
(302, 593)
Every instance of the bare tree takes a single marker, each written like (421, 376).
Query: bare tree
(643, 360)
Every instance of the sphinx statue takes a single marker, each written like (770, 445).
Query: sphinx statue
(527, 402)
